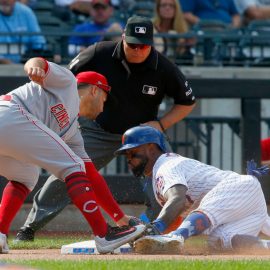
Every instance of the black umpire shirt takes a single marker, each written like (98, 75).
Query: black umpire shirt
(138, 88)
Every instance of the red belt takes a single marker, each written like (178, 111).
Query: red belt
(6, 97)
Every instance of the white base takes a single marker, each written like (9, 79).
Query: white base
(89, 248)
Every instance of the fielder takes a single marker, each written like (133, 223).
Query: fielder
(231, 207)
(39, 129)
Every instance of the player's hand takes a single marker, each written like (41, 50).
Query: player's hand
(36, 74)
(123, 221)
(128, 220)
(133, 221)
(151, 229)
(154, 124)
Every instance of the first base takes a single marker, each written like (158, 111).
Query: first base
(89, 248)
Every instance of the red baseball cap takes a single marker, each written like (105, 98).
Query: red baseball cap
(94, 78)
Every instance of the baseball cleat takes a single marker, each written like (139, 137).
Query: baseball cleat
(118, 236)
(3, 244)
(159, 244)
(25, 234)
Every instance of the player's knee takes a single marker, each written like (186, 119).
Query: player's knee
(214, 243)
(69, 170)
(240, 241)
(30, 184)
(219, 243)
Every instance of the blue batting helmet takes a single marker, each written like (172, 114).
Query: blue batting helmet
(140, 135)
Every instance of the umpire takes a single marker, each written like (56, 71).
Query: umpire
(140, 78)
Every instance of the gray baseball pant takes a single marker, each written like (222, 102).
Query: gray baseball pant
(52, 198)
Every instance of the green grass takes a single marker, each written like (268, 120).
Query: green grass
(48, 242)
(141, 265)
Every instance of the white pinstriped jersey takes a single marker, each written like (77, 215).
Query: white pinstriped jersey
(171, 169)
(234, 203)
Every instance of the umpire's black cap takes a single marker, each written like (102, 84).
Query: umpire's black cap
(139, 30)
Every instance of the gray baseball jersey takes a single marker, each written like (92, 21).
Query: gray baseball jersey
(234, 203)
(39, 126)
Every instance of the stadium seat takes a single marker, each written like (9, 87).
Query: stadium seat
(144, 8)
(256, 43)
(43, 5)
(217, 42)
(209, 25)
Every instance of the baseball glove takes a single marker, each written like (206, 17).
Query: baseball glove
(133, 221)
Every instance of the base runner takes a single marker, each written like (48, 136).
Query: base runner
(231, 207)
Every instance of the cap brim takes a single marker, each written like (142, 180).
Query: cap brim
(106, 88)
(123, 149)
(135, 40)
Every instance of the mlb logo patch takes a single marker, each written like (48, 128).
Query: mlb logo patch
(140, 29)
(149, 90)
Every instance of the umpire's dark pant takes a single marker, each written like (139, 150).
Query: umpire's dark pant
(52, 198)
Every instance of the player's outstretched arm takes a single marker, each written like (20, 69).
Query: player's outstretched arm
(174, 206)
(36, 69)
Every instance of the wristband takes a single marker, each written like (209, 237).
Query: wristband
(164, 131)
(160, 225)
(162, 127)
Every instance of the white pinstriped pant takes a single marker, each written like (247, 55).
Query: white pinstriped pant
(235, 206)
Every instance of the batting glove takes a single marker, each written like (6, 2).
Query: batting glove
(258, 172)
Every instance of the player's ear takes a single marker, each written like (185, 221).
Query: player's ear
(93, 90)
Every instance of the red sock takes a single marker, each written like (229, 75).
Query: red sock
(82, 195)
(104, 196)
(14, 195)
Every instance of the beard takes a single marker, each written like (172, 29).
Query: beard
(138, 171)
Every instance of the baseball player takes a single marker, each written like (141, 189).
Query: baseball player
(39, 129)
(231, 207)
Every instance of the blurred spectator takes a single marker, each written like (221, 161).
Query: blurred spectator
(17, 17)
(67, 10)
(101, 12)
(124, 5)
(222, 10)
(265, 151)
(62, 9)
(79, 6)
(30, 3)
(169, 18)
(253, 9)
